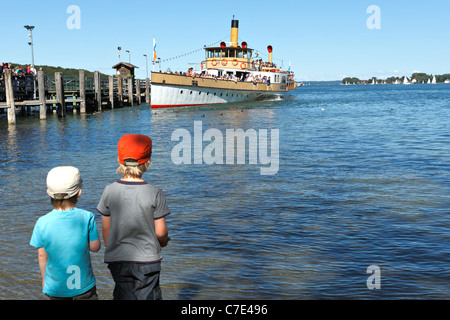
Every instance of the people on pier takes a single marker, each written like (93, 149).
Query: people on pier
(17, 70)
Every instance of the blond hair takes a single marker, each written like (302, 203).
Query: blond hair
(133, 171)
(59, 203)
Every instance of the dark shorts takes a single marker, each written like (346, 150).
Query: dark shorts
(136, 281)
(91, 294)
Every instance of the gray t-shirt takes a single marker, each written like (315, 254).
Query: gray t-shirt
(133, 207)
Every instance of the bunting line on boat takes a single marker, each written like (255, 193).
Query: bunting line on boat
(193, 51)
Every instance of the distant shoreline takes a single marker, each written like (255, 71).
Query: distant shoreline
(320, 83)
(417, 77)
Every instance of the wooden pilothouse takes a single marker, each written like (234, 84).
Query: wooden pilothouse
(228, 74)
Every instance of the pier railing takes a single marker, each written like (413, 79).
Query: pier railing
(23, 87)
(57, 92)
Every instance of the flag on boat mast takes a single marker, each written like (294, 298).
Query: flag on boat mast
(154, 53)
(154, 48)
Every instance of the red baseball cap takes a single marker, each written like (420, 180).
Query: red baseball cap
(134, 149)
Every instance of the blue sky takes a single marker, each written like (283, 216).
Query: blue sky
(323, 39)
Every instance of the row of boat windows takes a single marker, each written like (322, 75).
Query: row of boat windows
(221, 94)
(222, 53)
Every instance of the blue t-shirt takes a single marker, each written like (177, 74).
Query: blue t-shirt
(65, 236)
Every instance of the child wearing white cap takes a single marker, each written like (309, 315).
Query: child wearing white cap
(64, 237)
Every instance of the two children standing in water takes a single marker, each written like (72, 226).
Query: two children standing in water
(133, 224)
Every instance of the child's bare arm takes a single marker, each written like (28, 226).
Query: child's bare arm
(161, 232)
(42, 258)
(106, 224)
(94, 245)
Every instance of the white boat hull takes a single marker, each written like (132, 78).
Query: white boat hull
(163, 96)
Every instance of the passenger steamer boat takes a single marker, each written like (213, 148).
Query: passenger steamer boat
(228, 74)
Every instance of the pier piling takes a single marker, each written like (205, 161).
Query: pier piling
(60, 98)
(130, 91)
(10, 97)
(147, 91)
(82, 89)
(120, 90)
(138, 91)
(41, 92)
(111, 91)
(98, 90)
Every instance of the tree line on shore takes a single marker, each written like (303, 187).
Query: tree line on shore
(50, 70)
(417, 77)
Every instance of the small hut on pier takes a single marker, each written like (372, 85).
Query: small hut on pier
(124, 69)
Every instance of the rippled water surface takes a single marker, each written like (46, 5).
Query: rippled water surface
(364, 179)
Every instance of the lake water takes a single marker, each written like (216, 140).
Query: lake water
(363, 179)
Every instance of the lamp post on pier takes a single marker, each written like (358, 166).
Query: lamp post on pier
(146, 64)
(30, 28)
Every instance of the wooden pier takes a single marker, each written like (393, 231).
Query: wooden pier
(57, 93)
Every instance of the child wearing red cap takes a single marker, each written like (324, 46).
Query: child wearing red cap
(133, 220)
